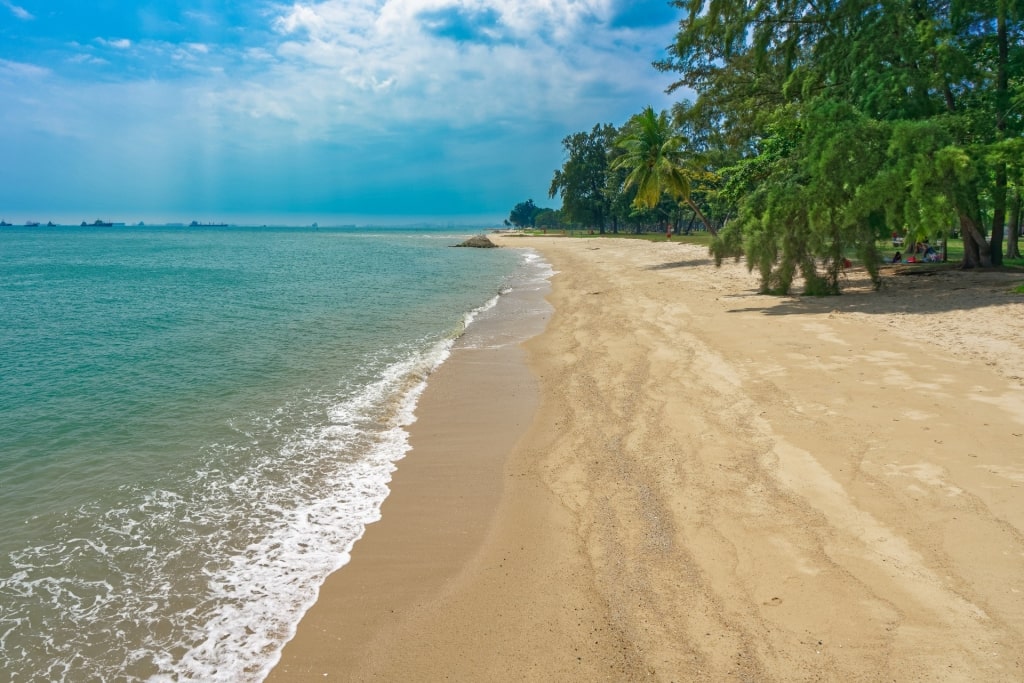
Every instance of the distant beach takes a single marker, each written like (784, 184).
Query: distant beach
(697, 482)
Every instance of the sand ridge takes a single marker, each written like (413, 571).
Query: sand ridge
(721, 485)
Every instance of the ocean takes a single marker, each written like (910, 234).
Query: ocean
(197, 424)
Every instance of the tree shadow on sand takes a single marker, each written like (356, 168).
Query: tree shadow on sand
(689, 263)
(904, 292)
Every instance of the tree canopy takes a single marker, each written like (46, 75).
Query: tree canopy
(524, 214)
(603, 184)
(654, 157)
(817, 129)
(581, 182)
(853, 118)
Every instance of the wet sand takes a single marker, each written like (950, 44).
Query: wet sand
(717, 485)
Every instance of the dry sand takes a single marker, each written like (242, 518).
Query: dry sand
(718, 486)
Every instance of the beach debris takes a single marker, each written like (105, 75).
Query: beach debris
(479, 242)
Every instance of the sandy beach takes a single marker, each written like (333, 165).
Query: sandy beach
(683, 480)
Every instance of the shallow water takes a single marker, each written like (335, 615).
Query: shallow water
(196, 425)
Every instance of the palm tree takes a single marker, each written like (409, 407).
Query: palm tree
(653, 153)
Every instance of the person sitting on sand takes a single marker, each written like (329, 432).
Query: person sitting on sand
(897, 258)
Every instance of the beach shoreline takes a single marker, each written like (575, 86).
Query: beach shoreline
(443, 494)
(711, 484)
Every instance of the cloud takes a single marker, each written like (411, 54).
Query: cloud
(118, 44)
(19, 70)
(301, 18)
(338, 102)
(200, 17)
(19, 12)
(84, 58)
(456, 60)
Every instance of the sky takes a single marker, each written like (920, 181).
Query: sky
(342, 111)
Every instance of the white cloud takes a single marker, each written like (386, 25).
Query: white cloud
(20, 70)
(19, 12)
(258, 55)
(301, 18)
(476, 91)
(84, 58)
(118, 43)
(463, 61)
(198, 17)
(345, 66)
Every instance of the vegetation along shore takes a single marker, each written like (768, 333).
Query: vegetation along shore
(818, 136)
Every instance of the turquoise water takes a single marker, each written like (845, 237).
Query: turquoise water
(196, 425)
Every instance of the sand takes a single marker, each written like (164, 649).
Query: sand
(695, 482)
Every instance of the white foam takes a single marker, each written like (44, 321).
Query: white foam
(215, 566)
(243, 637)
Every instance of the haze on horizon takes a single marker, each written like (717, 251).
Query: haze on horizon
(386, 111)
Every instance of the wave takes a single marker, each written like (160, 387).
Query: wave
(205, 573)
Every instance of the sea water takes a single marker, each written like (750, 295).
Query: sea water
(197, 424)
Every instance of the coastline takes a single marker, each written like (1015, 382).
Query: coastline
(717, 485)
(443, 496)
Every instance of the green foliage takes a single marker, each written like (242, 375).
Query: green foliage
(548, 219)
(844, 121)
(581, 182)
(817, 129)
(801, 208)
(931, 169)
(653, 157)
(524, 214)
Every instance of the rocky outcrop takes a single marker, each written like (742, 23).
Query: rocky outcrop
(479, 242)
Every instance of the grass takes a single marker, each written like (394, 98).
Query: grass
(699, 237)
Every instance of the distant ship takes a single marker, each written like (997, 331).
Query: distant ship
(197, 224)
(51, 224)
(98, 224)
(32, 224)
(4, 224)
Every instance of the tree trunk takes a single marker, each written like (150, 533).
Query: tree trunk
(976, 249)
(1013, 233)
(689, 224)
(703, 219)
(1002, 101)
(998, 215)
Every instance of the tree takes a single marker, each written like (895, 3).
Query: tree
(1013, 235)
(798, 214)
(548, 219)
(939, 80)
(654, 158)
(524, 214)
(581, 180)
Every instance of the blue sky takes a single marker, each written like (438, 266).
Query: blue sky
(354, 111)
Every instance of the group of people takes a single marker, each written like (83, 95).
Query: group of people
(928, 254)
